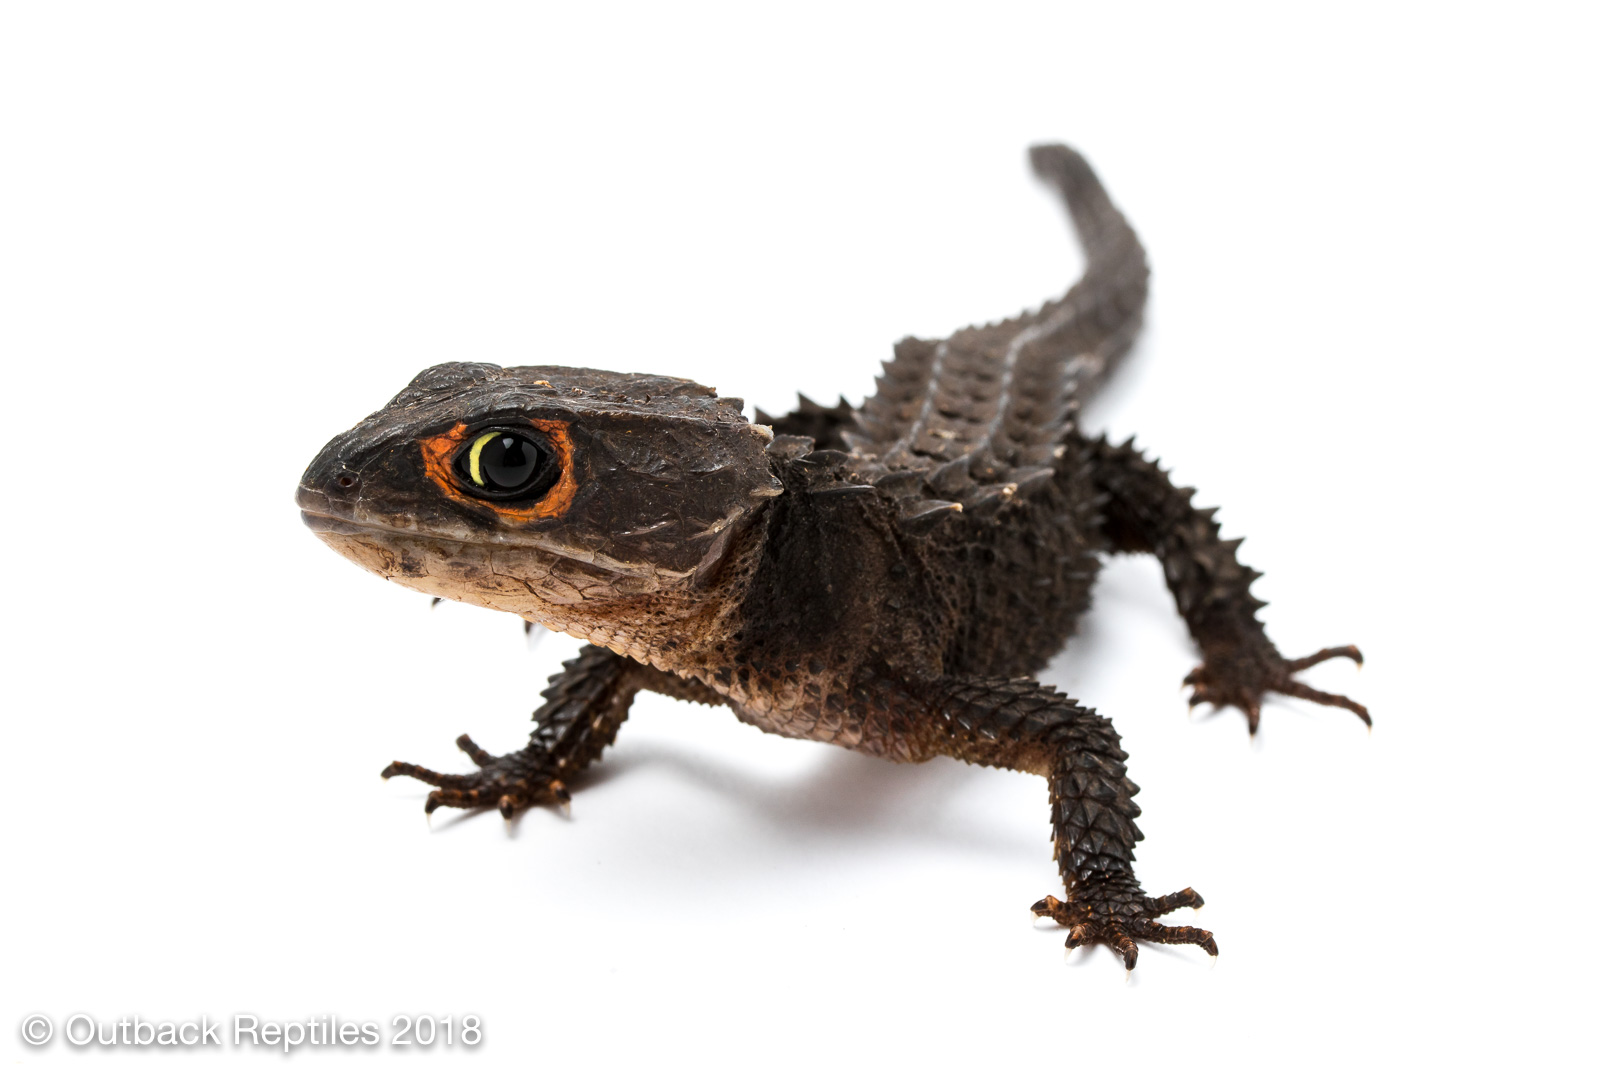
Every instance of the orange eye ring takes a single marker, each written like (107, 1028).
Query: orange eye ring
(439, 455)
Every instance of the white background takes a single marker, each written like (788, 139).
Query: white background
(228, 232)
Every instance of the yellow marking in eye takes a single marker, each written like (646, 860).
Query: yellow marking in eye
(477, 451)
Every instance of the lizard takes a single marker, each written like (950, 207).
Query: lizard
(889, 577)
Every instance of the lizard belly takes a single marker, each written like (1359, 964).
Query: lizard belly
(864, 718)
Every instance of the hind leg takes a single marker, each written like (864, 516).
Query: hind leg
(1145, 512)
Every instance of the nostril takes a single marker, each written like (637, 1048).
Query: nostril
(346, 481)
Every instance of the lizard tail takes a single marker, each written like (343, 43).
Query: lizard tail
(999, 398)
(1106, 306)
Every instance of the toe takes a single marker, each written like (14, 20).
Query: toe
(1178, 936)
(422, 774)
(470, 747)
(1183, 898)
(452, 798)
(1116, 936)
(1350, 652)
(1317, 696)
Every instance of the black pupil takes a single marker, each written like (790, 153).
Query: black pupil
(509, 462)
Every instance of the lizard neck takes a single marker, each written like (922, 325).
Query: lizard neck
(683, 630)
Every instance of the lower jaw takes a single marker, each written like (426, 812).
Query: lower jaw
(552, 590)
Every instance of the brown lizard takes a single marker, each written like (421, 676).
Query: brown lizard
(888, 578)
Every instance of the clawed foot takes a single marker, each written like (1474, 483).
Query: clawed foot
(510, 782)
(1119, 924)
(1243, 678)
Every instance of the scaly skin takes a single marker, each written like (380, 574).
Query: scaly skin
(885, 578)
(584, 707)
(1146, 513)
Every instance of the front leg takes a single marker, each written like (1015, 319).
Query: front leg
(584, 707)
(1020, 724)
(1145, 512)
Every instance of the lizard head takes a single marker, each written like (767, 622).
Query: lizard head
(566, 496)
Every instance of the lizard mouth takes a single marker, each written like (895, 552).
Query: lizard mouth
(325, 525)
(320, 523)
(322, 515)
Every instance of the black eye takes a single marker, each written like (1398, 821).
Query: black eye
(504, 463)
